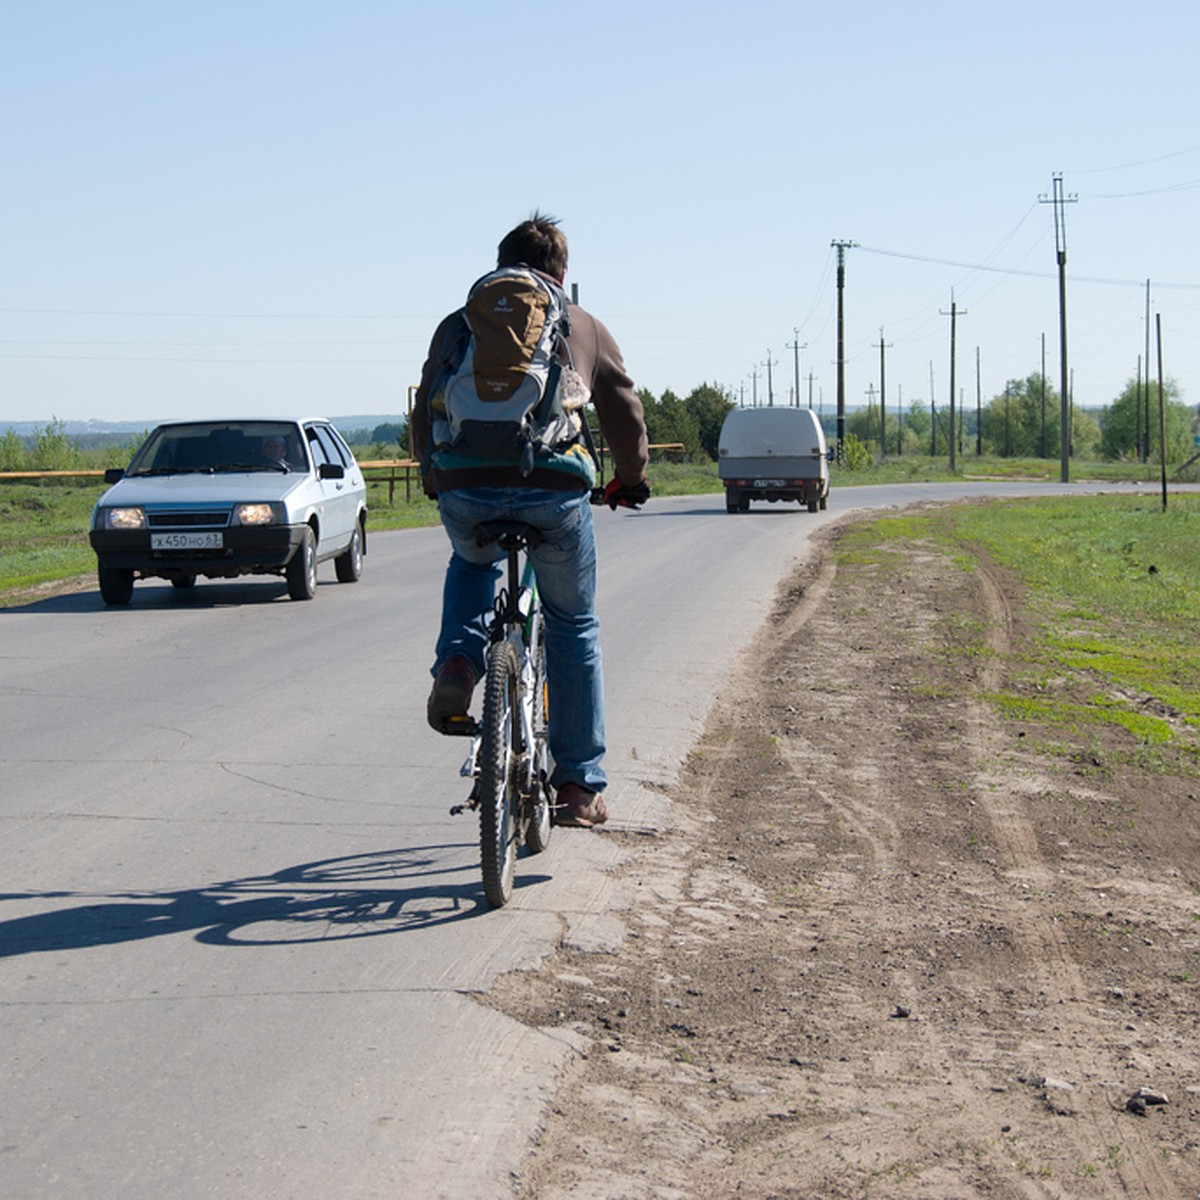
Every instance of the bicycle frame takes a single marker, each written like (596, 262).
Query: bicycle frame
(514, 619)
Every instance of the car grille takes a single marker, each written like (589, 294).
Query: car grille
(177, 520)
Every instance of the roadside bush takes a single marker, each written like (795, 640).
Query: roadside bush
(12, 452)
(855, 455)
(53, 450)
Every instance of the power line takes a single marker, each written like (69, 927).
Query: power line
(1174, 187)
(1145, 162)
(966, 266)
(241, 316)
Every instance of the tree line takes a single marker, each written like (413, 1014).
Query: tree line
(51, 448)
(1022, 421)
(1025, 421)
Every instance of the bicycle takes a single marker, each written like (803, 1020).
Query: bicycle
(509, 758)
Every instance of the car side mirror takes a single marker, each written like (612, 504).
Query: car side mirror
(114, 474)
(331, 471)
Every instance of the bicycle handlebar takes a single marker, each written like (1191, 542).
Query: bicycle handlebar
(621, 496)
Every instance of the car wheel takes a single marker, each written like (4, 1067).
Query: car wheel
(302, 569)
(350, 564)
(116, 584)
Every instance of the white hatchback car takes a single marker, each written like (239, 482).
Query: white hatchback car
(229, 498)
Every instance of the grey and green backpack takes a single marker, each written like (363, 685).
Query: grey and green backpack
(499, 397)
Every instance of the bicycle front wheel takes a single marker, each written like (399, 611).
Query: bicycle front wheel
(498, 798)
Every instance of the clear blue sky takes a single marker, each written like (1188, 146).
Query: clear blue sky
(218, 205)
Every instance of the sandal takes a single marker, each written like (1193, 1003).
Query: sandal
(578, 808)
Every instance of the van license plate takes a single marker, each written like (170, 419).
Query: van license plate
(187, 541)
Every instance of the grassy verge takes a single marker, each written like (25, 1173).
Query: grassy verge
(43, 532)
(43, 525)
(1113, 589)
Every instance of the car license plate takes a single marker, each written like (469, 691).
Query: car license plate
(770, 483)
(187, 541)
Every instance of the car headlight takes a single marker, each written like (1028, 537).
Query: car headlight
(257, 514)
(124, 518)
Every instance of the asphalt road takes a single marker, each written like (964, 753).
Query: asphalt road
(241, 936)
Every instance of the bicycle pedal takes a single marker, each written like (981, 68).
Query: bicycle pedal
(471, 804)
(463, 726)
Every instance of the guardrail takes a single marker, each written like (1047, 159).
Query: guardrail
(392, 465)
(51, 474)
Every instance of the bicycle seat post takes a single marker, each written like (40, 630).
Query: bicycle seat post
(512, 537)
(513, 543)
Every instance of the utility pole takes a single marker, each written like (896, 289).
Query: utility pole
(899, 419)
(841, 248)
(754, 386)
(1146, 426)
(770, 385)
(1162, 411)
(1060, 201)
(883, 346)
(796, 348)
(953, 315)
(810, 387)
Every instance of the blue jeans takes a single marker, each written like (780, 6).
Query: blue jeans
(565, 565)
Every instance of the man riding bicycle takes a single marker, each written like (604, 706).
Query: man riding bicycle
(554, 498)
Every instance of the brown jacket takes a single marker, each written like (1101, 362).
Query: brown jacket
(596, 356)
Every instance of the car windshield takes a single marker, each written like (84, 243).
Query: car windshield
(208, 447)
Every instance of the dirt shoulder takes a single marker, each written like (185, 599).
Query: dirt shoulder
(890, 947)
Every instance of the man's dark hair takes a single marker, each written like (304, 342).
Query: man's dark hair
(538, 243)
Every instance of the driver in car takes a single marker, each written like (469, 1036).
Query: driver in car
(274, 451)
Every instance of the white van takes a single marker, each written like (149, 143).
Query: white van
(773, 454)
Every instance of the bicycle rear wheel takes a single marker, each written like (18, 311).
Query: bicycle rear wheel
(498, 798)
(537, 833)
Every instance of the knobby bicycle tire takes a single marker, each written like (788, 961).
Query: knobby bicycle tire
(537, 834)
(498, 797)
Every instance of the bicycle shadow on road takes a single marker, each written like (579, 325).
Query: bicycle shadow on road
(336, 899)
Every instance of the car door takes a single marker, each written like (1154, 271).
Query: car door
(338, 496)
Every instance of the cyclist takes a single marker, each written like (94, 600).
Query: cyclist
(553, 498)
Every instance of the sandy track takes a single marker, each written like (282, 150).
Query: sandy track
(891, 946)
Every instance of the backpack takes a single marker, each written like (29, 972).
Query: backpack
(501, 395)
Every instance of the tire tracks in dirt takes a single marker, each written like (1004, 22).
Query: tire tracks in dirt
(859, 964)
(1057, 971)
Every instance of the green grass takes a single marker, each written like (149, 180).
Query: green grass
(43, 531)
(1113, 588)
(1115, 583)
(43, 524)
